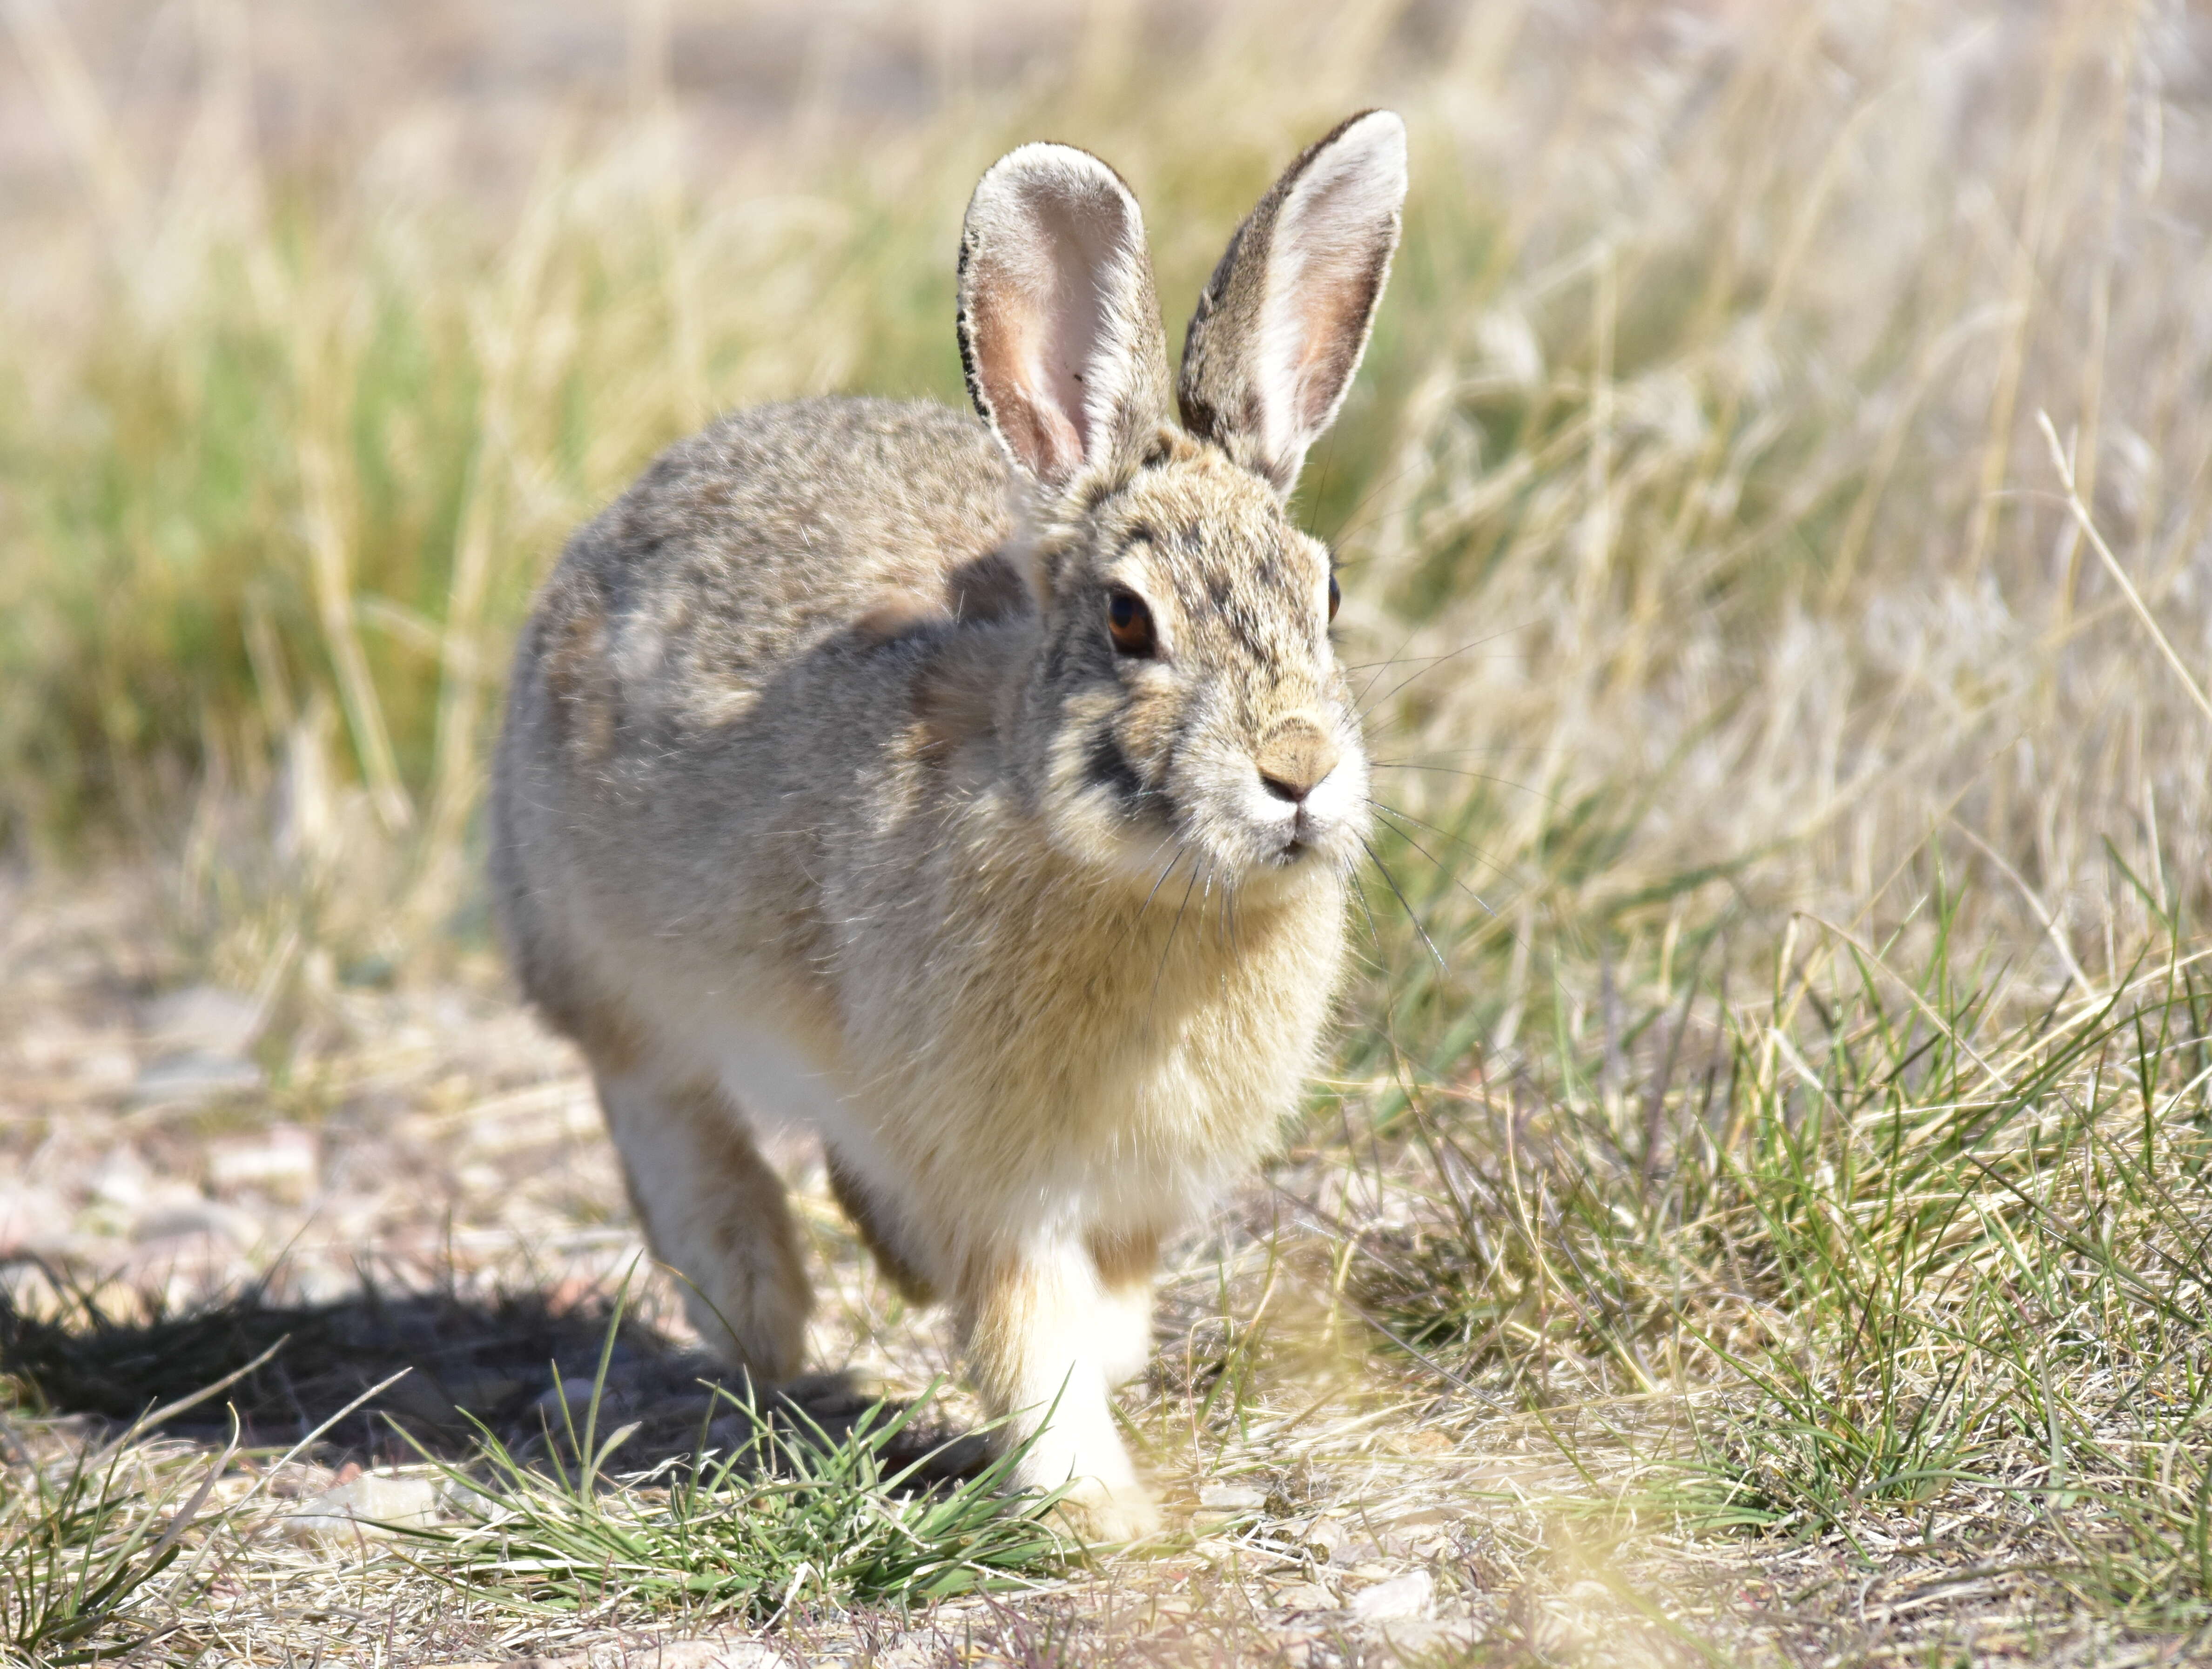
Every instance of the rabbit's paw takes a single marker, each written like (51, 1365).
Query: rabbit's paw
(1101, 1517)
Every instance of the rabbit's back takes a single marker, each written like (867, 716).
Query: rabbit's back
(745, 547)
(703, 652)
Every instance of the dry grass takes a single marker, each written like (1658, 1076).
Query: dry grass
(1776, 525)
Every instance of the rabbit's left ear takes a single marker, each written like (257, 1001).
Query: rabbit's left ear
(1059, 333)
(1283, 321)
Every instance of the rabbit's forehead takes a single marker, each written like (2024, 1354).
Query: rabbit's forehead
(1213, 545)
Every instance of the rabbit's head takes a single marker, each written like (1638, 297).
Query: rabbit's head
(1185, 699)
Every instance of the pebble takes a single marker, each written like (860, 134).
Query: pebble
(574, 1392)
(481, 1390)
(185, 1080)
(420, 1398)
(1325, 1538)
(1232, 1498)
(409, 1504)
(1401, 1598)
(177, 1210)
(281, 1160)
(1415, 1640)
(1305, 1597)
(32, 1219)
(121, 1178)
(199, 1037)
(202, 1019)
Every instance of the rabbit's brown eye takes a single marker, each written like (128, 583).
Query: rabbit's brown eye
(1335, 596)
(1129, 622)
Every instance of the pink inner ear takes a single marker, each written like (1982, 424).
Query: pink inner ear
(1058, 448)
(1013, 339)
(1328, 331)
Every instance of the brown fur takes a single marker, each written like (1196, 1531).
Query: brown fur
(867, 1218)
(1125, 1257)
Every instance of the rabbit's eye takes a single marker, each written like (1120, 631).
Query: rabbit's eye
(1335, 596)
(1129, 622)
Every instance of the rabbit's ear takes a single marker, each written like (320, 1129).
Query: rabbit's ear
(1060, 329)
(1283, 321)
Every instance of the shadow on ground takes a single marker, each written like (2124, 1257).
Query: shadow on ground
(473, 1364)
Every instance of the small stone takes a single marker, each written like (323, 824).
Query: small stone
(725, 1653)
(316, 1282)
(1426, 1441)
(177, 1210)
(1305, 1597)
(202, 1019)
(121, 1178)
(420, 1399)
(1398, 1599)
(1232, 1498)
(32, 1219)
(1323, 1538)
(575, 1393)
(1420, 1641)
(281, 1162)
(186, 1080)
(912, 1653)
(368, 1506)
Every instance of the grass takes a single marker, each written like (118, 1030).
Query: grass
(788, 1519)
(1774, 514)
(767, 1512)
(85, 1540)
(1914, 1261)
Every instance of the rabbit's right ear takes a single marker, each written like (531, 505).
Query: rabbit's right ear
(1060, 329)
(1282, 323)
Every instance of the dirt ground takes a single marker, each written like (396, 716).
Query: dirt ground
(417, 1178)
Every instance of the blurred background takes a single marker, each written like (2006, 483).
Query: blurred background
(1703, 542)
(1776, 537)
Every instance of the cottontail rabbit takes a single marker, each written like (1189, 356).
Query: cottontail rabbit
(980, 795)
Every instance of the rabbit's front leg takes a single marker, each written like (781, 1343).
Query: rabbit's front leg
(1039, 1356)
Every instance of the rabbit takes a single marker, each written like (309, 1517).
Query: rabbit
(979, 793)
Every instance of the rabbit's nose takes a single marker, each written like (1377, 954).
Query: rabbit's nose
(1294, 759)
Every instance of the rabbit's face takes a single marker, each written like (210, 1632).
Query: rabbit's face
(1185, 703)
(1196, 710)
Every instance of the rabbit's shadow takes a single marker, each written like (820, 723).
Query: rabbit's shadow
(473, 1365)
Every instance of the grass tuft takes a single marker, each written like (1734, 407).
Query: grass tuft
(85, 1541)
(788, 1519)
(1921, 1261)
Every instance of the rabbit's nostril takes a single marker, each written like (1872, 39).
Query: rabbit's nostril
(1294, 759)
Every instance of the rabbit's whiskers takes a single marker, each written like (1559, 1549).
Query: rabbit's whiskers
(1374, 933)
(1403, 818)
(1174, 927)
(1412, 914)
(1427, 664)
